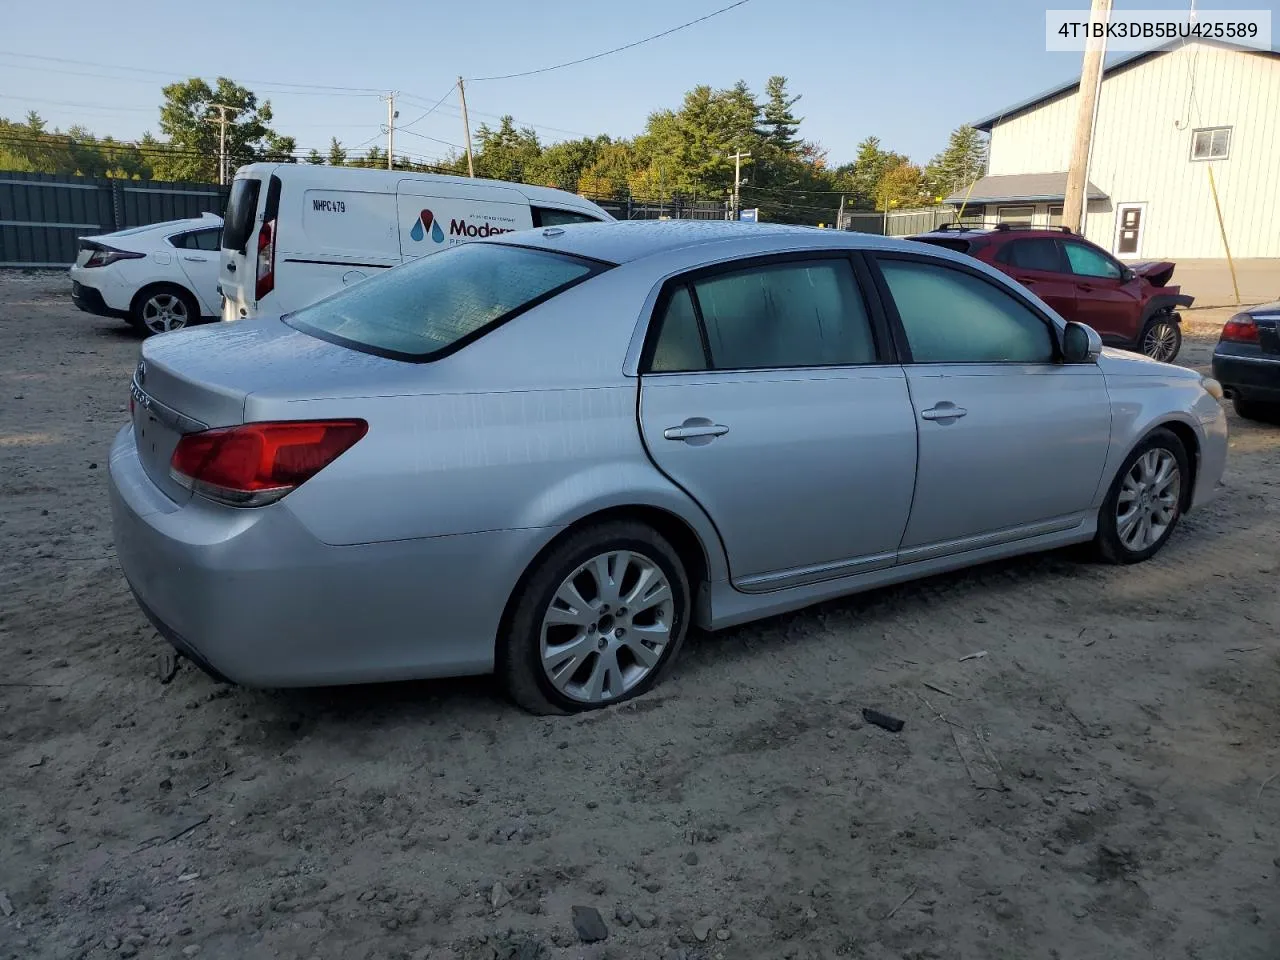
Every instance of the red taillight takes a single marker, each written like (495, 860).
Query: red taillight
(1240, 329)
(258, 463)
(105, 256)
(266, 260)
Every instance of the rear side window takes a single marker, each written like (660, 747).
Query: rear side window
(242, 209)
(798, 314)
(198, 240)
(549, 217)
(951, 316)
(437, 304)
(1035, 255)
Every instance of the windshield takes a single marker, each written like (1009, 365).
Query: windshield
(436, 305)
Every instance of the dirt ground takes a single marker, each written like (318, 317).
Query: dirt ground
(1099, 786)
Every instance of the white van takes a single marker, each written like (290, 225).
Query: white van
(295, 232)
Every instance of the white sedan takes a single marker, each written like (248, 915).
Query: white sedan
(160, 277)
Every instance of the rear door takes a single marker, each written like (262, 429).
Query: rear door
(1012, 441)
(239, 245)
(1104, 300)
(1039, 264)
(198, 255)
(435, 215)
(767, 396)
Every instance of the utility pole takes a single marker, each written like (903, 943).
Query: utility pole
(738, 157)
(392, 113)
(840, 215)
(221, 121)
(1075, 203)
(466, 128)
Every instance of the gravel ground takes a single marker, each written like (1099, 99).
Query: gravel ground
(1095, 784)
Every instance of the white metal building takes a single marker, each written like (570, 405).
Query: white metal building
(1166, 118)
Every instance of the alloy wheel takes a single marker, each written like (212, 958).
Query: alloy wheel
(164, 312)
(1148, 503)
(1161, 341)
(607, 626)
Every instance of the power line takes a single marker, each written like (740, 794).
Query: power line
(414, 133)
(430, 110)
(627, 46)
(69, 103)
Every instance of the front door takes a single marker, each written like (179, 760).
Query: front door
(1012, 441)
(1105, 300)
(1129, 217)
(764, 397)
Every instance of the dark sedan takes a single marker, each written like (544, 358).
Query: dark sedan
(1247, 361)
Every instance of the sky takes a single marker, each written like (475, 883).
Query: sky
(907, 71)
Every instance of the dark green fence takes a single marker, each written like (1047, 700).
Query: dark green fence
(42, 215)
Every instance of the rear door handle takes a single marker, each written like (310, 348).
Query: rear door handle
(196, 259)
(695, 430)
(945, 411)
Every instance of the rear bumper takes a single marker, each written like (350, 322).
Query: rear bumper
(254, 598)
(90, 300)
(1251, 377)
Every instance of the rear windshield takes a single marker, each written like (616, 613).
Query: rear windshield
(242, 207)
(437, 304)
(951, 243)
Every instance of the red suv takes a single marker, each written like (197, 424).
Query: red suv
(1129, 306)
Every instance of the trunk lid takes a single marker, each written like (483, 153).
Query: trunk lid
(1155, 272)
(202, 378)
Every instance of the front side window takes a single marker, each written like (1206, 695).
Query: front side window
(801, 314)
(1211, 143)
(1087, 262)
(951, 316)
(430, 306)
(550, 217)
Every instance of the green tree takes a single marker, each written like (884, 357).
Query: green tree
(902, 185)
(780, 124)
(862, 177)
(506, 153)
(960, 164)
(315, 158)
(337, 155)
(193, 140)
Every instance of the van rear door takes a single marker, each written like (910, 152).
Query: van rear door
(237, 272)
(435, 216)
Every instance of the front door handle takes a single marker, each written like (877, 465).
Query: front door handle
(196, 259)
(696, 431)
(945, 412)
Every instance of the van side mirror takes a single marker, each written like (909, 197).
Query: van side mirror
(1080, 343)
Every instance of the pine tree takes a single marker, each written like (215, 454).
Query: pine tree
(962, 162)
(780, 124)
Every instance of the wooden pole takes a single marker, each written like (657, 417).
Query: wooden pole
(1074, 203)
(1222, 228)
(466, 128)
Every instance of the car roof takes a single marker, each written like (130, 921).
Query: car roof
(628, 240)
(1002, 231)
(367, 175)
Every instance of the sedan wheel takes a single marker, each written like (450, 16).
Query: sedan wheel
(607, 626)
(164, 311)
(600, 620)
(1162, 339)
(1145, 500)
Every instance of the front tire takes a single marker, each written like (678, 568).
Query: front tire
(1145, 501)
(163, 308)
(1162, 338)
(599, 620)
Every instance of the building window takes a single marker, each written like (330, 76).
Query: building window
(1211, 143)
(1055, 215)
(1021, 216)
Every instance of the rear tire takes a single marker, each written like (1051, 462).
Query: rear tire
(1256, 409)
(605, 644)
(162, 308)
(1161, 338)
(1145, 501)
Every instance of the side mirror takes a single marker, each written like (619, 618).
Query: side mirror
(1080, 343)
(1126, 275)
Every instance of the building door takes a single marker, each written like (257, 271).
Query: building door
(1129, 219)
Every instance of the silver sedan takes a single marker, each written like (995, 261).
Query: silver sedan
(550, 454)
